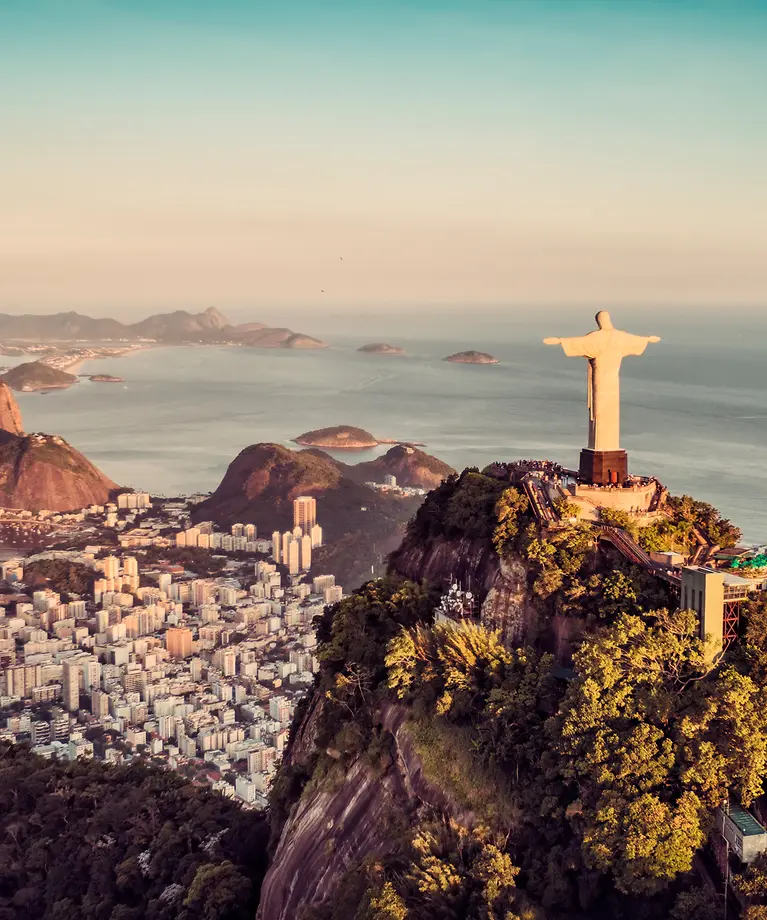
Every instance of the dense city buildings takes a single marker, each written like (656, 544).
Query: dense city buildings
(198, 665)
(293, 548)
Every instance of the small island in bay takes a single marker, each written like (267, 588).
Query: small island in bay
(339, 437)
(346, 437)
(381, 348)
(266, 337)
(471, 357)
(34, 375)
(104, 378)
(298, 340)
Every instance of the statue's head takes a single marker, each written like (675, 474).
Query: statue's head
(604, 321)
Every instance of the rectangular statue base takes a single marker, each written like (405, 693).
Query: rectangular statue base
(604, 467)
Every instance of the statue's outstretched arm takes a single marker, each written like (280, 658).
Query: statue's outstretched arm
(636, 344)
(580, 347)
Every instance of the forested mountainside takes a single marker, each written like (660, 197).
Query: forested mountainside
(555, 751)
(86, 841)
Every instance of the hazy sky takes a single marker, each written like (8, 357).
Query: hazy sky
(183, 153)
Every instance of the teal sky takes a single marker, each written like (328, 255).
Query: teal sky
(180, 153)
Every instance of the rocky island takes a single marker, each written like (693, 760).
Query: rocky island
(104, 378)
(34, 375)
(471, 357)
(381, 348)
(299, 340)
(278, 338)
(339, 437)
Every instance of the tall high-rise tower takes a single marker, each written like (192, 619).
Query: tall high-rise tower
(70, 684)
(305, 512)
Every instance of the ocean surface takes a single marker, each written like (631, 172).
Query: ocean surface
(694, 407)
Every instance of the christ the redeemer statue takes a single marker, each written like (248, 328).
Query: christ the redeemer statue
(604, 349)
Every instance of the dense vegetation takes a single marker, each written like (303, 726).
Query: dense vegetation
(84, 841)
(620, 779)
(202, 562)
(353, 636)
(594, 794)
(461, 507)
(590, 795)
(688, 522)
(61, 575)
(566, 574)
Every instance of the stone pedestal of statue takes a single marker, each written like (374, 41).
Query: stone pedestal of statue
(603, 467)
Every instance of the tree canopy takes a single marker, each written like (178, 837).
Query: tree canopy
(87, 841)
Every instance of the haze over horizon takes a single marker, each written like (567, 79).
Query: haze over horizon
(346, 155)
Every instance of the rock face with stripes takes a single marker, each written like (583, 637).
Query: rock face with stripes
(42, 471)
(10, 414)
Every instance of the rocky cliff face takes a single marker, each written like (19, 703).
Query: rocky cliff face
(44, 472)
(342, 821)
(10, 415)
(509, 605)
(500, 586)
(474, 564)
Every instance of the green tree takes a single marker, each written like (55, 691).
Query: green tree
(567, 509)
(219, 892)
(649, 739)
(456, 664)
(509, 509)
(697, 904)
(387, 905)
(617, 518)
(751, 884)
(754, 644)
(470, 511)
(86, 840)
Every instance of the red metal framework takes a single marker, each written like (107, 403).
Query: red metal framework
(731, 621)
(731, 618)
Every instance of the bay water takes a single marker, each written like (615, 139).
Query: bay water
(694, 407)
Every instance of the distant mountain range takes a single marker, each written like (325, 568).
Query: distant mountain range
(178, 327)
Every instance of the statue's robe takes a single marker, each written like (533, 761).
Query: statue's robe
(605, 349)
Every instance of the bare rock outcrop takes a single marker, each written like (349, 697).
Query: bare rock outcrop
(329, 830)
(10, 414)
(509, 605)
(474, 564)
(44, 472)
(338, 823)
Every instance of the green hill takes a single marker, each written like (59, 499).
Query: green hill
(452, 769)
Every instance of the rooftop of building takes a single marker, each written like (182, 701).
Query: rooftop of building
(729, 579)
(745, 822)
